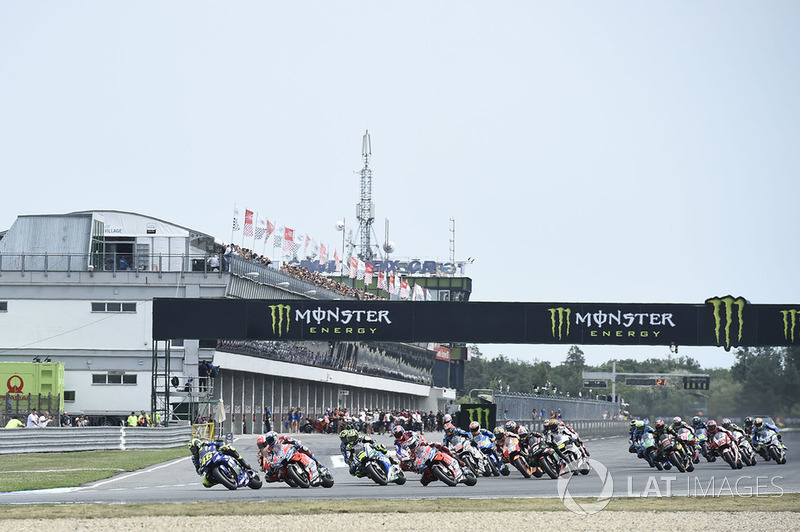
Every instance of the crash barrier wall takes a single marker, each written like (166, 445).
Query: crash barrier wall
(590, 428)
(521, 406)
(57, 439)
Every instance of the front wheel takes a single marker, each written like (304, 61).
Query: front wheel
(775, 454)
(676, 461)
(225, 476)
(327, 480)
(470, 461)
(255, 482)
(522, 467)
(298, 476)
(443, 474)
(469, 478)
(375, 472)
(550, 466)
(401, 478)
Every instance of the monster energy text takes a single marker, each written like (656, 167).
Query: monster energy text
(560, 322)
(342, 317)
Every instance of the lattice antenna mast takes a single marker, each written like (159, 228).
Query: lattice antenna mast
(365, 210)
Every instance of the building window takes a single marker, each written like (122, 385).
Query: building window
(113, 378)
(69, 396)
(113, 307)
(3, 306)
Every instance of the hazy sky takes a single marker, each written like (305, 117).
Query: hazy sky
(613, 151)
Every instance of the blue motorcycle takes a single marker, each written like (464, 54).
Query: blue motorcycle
(487, 447)
(371, 462)
(223, 469)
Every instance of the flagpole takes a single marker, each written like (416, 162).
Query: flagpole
(255, 229)
(233, 225)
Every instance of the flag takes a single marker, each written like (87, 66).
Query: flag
(353, 267)
(428, 295)
(288, 239)
(403, 288)
(236, 226)
(362, 268)
(270, 230)
(277, 242)
(369, 269)
(419, 293)
(323, 254)
(248, 223)
(261, 227)
(397, 284)
(391, 284)
(305, 248)
(381, 280)
(336, 260)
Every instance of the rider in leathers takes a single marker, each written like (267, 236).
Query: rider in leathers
(350, 439)
(270, 443)
(200, 447)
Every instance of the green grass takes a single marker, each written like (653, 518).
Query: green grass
(22, 472)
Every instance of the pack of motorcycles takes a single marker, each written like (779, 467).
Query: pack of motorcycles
(467, 460)
(685, 451)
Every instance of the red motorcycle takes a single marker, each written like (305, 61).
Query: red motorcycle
(513, 454)
(723, 445)
(433, 463)
(298, 469)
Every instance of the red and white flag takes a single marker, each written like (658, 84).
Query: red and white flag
(403, 288)
(391, 284)
(288, 239)
(419, 293)
(362, 268)
(397, 284)
(353, 267)
(248, 223)
(336, 260)
(270, 229)
(381, 280)
(323, 254)
(369, 269)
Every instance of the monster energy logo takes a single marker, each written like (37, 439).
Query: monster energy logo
(559, 317)
(790, 320)
(728, 303)
(481, 415)
(280, 319)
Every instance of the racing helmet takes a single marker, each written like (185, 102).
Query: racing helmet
(195, 443)
(677, 420)
(726, 423)
(660, 425)
(511, 425)
(712, 425)
(633, 423)
(398, 431)
(474, 427)
(413, 442)
(640, 424)
(261, 442)
(551, 424)
(348, 436)
(449, 429)
(270, 438)
(696, 421)
(500, 433)
(522, 431)
(759, 422)
(748, 422)
(448, 418)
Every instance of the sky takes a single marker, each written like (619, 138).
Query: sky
(615, 151)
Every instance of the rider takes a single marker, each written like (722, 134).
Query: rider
(557, 426)
(697, 423)
(760, 427)
(477, 433)
(350, 439)
(713, 428)
(451, 432)
(199, 447)
(677, 424)
(270, 442)
(417, 447)
(731, 426)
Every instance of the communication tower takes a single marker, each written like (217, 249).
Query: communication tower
(365, 210)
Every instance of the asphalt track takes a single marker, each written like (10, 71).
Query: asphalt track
(176, 481)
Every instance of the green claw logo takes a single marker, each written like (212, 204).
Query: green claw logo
(559, 317)
(481, 415)
(726, 317)
(790, 320)
(280, 319)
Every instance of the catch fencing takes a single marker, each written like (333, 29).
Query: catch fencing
(57, 439)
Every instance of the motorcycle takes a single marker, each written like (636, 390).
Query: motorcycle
(542, 457)
(769, 446)
(376, 465)
(514, 454)
(227, 471)
(299, 468)
(746, 448)
(702, 444)
(433, 462)
(468, 453)
(574, 456)
(487, 447)
(723, 445)
(670, 449)
(645, 448)
(689, 442)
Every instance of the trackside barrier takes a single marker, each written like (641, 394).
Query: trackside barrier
(591, 428)
(57, 439)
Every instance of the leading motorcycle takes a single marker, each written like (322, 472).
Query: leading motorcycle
(299, 468)
(227, 471)
(371, 462)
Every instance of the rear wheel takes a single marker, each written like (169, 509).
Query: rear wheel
(297, 475)
(375, 472)
(443, 474)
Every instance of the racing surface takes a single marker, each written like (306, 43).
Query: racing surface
(176, 481)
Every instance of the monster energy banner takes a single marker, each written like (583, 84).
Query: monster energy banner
(485, 414)
(719, 321)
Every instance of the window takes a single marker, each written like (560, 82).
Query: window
(3, 306)
(113, 307)
(112, 378)
(69, 396)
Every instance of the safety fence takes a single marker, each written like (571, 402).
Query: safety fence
(57, 439)
(591, 428)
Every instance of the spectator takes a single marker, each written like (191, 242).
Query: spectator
(133, 420)
(213, 263)
(14, 423)
(144, 420)
(267, 419)
(65, 420)
(33, 420)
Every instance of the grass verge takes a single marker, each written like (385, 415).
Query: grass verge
(22, 472)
